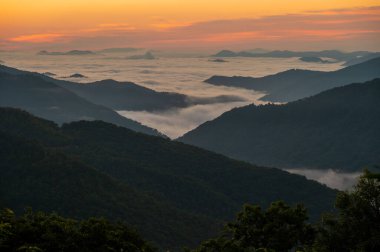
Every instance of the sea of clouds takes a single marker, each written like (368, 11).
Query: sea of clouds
(182, 75)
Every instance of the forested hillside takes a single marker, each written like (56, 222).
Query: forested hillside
(338, 128)
(96, 168)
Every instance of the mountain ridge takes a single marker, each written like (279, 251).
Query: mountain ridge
(127, 95)
(337, 128)
(188, 178)
(296, 84)
(334, 54)
(48, 100)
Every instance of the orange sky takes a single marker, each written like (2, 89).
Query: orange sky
(196, 24)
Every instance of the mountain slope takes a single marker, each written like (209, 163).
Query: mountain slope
(296, 84)
(126, 95)
(49, 180)
(48, 100)
(191, 179)
(334, 54)
(339, 128)
(130, 96)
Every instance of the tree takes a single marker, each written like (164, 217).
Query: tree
(279, 228)
(38, 231)
(356, 226)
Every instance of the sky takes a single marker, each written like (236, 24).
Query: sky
(190, 25)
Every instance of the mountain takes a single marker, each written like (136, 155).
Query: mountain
(47, 179)
(49, 74)
(338, 128)
(314, 60)
(333, 54)
(130, 96)
(218, 60)
(146, 56)
(258, 50)
(75, 75)
(361, 59)
(192, 183)
(71, 53)
(42, 97)
(225, 53)
(120, 50)
(126, 95)
(295, 84)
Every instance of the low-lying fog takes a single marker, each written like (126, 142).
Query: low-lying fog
(165, 73)
(181, 75)
(331, 178)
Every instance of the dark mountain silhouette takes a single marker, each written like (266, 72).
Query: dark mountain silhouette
(295, 84)
(48, 100)
(72, 53)
(49, 74)
(36, 175)
(339, 128)
(146, 56)
(128, 95)
(314, 60)
(218, 60)
(225, 53)
(258, 50)
(361, 59)
(120, 50)
(334, 54)
(96, 168)
(77, 75)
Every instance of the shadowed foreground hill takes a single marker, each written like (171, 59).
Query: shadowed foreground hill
(120, 169)
(296, 84)
(339, 128)
(48, 100)
(47, 179)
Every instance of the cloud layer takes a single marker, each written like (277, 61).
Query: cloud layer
(174, 123)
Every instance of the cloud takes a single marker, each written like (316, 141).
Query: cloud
(350, 29)
(331, 178)
(289, 26)
(111, 27)
(37, 38)
(175, 122)
(166, 25)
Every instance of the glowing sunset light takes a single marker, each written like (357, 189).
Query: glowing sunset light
(36, 38)
(163, 24)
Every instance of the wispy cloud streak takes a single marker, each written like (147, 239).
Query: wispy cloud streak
(346, 26)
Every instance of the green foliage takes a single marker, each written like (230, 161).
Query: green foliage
(85, 169)
(38, 231)
(356, 227)
(279, 228)
(49, 180)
